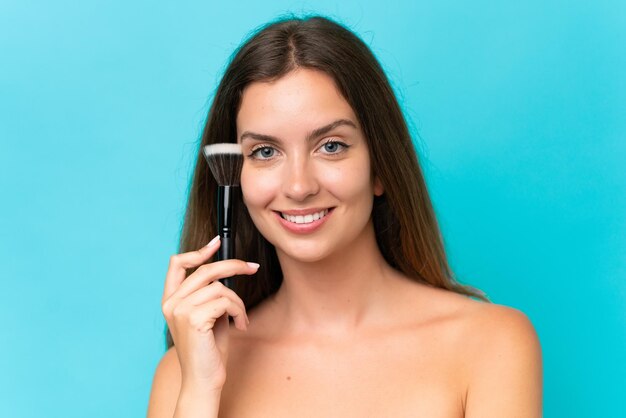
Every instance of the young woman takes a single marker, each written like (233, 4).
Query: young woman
(352, 310)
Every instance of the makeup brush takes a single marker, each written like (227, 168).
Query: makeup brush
(225, 161)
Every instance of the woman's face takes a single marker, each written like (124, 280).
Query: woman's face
(306, 174)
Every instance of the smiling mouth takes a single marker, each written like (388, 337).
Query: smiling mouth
(304, 219)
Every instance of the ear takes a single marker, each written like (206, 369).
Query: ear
(378, 187)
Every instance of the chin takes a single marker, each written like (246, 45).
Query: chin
(304, 253)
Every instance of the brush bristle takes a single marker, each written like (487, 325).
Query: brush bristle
(225, 162)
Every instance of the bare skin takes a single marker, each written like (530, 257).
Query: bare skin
(426, 352)
(429, 365)
(409, 366)
(419, 356)
(346, 335)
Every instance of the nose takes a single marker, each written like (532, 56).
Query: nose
(300, 180)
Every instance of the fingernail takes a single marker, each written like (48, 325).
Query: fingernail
(213, 241)
(253, 265)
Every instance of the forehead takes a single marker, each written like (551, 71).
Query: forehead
(302, 99)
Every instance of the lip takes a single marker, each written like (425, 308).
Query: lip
(303, 228)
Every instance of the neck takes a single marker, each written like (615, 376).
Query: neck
(342, 291)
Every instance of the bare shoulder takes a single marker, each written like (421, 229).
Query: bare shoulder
(506, 321)
(474, 320)
(502, 329)
(165, 386)
(495, 351)
(503, 356)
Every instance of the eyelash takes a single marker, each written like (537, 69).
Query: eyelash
(257, 148)
(342, 146)
(253, 154)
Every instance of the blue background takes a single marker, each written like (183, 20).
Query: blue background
(521, 116)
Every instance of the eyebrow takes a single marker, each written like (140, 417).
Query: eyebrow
(312, 135)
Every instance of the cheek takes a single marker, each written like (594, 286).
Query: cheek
(348, 182)
(257, 187)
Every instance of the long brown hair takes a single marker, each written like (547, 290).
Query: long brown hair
(406, 229)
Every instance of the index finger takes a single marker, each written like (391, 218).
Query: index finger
(176, 271)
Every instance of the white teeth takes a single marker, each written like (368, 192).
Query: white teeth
(306, 219)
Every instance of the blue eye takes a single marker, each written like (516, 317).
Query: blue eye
(263, 153)
(334, 147)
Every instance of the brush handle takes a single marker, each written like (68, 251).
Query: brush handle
(225, 204)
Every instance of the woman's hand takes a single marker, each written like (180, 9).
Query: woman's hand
(196, 310)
